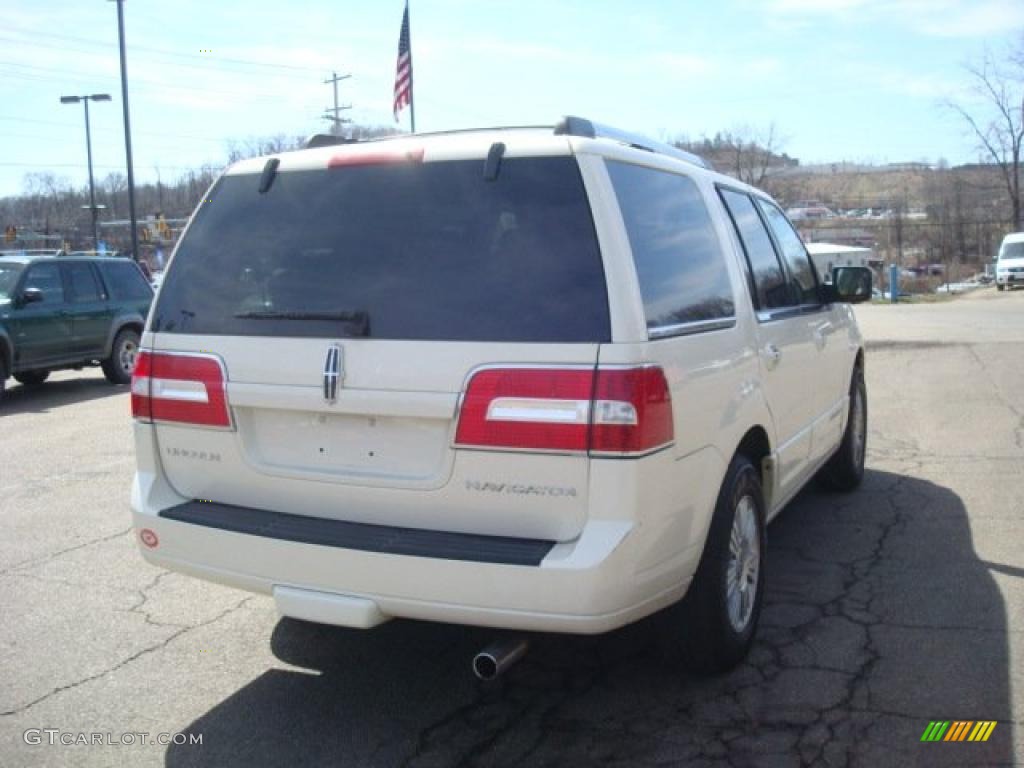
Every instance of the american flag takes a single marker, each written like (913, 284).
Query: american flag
(403, 76)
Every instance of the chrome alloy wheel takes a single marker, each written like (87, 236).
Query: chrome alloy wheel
(126, 356)
(744, 569)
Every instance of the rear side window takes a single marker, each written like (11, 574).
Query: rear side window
(82, 282)
(793, 251)
(422, 251)
(679, 261)
(125, 281)
(770, 285)
(46, 277)
(9, 274)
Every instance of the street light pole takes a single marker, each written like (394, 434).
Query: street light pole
(88, 152)
(127, 131)
(92, 187)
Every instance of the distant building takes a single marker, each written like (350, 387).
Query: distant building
(849, 236)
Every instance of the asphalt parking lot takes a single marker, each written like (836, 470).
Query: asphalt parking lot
(886, 609)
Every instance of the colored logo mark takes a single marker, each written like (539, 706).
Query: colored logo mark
(958, 730)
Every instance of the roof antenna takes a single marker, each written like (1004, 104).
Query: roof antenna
(269, 174)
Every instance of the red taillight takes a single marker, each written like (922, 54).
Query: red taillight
(182, 388)
(141, 403)
(618, 411)
(632, 411)
(529, 408)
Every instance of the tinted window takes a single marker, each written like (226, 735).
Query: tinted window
(420, 250)
(679, 262)
(793, 251)
(770, 285)
(82, 282)
(46, 277)
(125, 281)
(9, 273)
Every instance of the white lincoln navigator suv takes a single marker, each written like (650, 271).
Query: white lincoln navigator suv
(538, 379)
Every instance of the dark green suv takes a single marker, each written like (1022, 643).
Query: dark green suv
(69, 312)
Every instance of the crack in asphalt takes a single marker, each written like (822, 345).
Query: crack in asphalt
(143, 594)
(40, 559)
(128, 660)
(1018, 432)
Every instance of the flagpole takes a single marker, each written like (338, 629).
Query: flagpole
(412, 82)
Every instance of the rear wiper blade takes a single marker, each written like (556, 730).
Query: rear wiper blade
(360, 318)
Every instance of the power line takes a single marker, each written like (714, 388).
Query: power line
(64, 78)
(33, 120)
(149, 49)
(48, 165)
(174, 134)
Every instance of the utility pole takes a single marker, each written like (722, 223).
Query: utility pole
(127, 131)
(337, 120)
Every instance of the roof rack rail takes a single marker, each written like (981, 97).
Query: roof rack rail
(580, 126)
(327, 140)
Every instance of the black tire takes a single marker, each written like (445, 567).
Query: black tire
(32, 378)
(119, 366)
(701, 633)
(845, 470)
(1000, 287)
(3, 375)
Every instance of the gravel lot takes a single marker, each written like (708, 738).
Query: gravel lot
(888, 608)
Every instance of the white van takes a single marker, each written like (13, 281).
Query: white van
(532, 379)
(1010, 262)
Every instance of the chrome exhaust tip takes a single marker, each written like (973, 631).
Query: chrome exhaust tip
(496, 658)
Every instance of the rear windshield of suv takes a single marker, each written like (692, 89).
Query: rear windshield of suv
(422, 251)
(125, 280)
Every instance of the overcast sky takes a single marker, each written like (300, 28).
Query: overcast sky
(857, 80)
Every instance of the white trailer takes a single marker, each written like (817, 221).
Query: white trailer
(828, 255)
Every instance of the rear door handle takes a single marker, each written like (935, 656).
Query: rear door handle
(772, 355)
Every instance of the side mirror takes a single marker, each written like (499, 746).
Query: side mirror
(850, 285)
(31, 296)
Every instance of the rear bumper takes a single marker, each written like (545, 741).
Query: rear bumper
(585, 587)
(619, 568)
(364, 537)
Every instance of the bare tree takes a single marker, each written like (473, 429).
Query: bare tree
(362, 132)
(113, 189)
(745, 152)
(752, 152)
(999, 129)
(263, 145)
